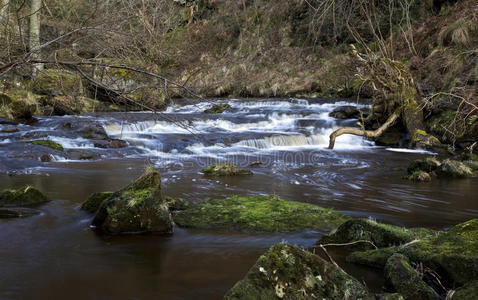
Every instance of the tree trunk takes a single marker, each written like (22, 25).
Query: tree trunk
(3, 15)
(34, 41)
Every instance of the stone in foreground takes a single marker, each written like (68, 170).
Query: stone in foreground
(225, 169)
(259, 213)
(25, 196)
(137, 208)
(288, 272)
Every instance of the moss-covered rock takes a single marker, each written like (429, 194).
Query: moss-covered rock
(48, 143)
(366, 230)
(453, 168)
(388, 296)
(176, 204)
(428, 164)
(420, 176)
(288, 272)
(217, 108)
(94, 201)
(25, 196)
(259, 213)
(224, 169)
(453, 253)
(58, 82)
(345, 112)
(467, 292)
(400, 276)
(137, 208)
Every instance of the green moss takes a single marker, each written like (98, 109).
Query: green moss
(419, 176)
(224, 169)
(405, 280)
(259, 213)
(453, 168)
(95, 200)
(175, 204)
(376, 258)
(381, 235)
(24, 196)
(56, 82)
(468, 292)
(288, 272)
(49, 144)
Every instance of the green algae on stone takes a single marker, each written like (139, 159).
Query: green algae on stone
(95, 200)
(48, 143)
(259, 213)
(25, 196)
(224, 169)
(288, 272)
(217, 108)
(405, 280)
(175, 204)
(381, 235)
(137, 208)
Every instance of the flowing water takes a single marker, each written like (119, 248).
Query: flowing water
(56, 255)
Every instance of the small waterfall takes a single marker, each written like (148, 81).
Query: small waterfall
(284, 141)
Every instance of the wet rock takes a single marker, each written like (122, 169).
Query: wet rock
(255, 164)
(137, 208)
(400, 275)
(288, 272)
(25, 196)
(372, 234)
(467, 292)
(218, 108)
(82, 154)
(95, 200)
(259, 213)
(48, 143)
(224, 169)
(345, 112)
(8, 129)
(45, 158)
(110, 143)
(176, 204)
(453, 253)
(93, 132)
(6, 213)
(390, 138)
(453, 168)
(420, 176)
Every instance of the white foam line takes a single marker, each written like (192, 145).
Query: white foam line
(405, 150)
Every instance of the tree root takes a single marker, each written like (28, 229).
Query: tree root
(365, 133)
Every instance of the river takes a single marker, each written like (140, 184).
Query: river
(56, 254)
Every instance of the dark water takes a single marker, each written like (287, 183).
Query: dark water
(56, 255)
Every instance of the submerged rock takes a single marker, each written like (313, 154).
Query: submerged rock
(345, 112)
(6, 213)
(368, 234)
(137, 208)
(400, 275)
(288, 272)
(217, 108)
(259, 213)
(48, 143)
(224, 169)
(25, 196)
(453, 253)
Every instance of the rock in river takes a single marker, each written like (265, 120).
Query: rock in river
(137, 208)
(288, 272)
(259, 213)
(224, 169)
(25, 196)
(345, 112)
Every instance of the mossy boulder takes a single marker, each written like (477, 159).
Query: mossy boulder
(259, 213)
(428, 164)
(453, 168)
(94, 201)
(400, 276)
(467, 292)
(137, 208)
(224, 169)
(25, 196)
(176, 204)
(420, 176)
(217, 108)
(453, 253)
(345, 112)
(48, 143)
(58, 82)
(371, 234)
(288, 272)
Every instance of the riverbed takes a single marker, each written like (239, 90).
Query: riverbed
(57, 255)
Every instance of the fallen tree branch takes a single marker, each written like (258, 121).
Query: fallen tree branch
(365, 133)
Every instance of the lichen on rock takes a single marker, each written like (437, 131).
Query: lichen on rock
(288, 272)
